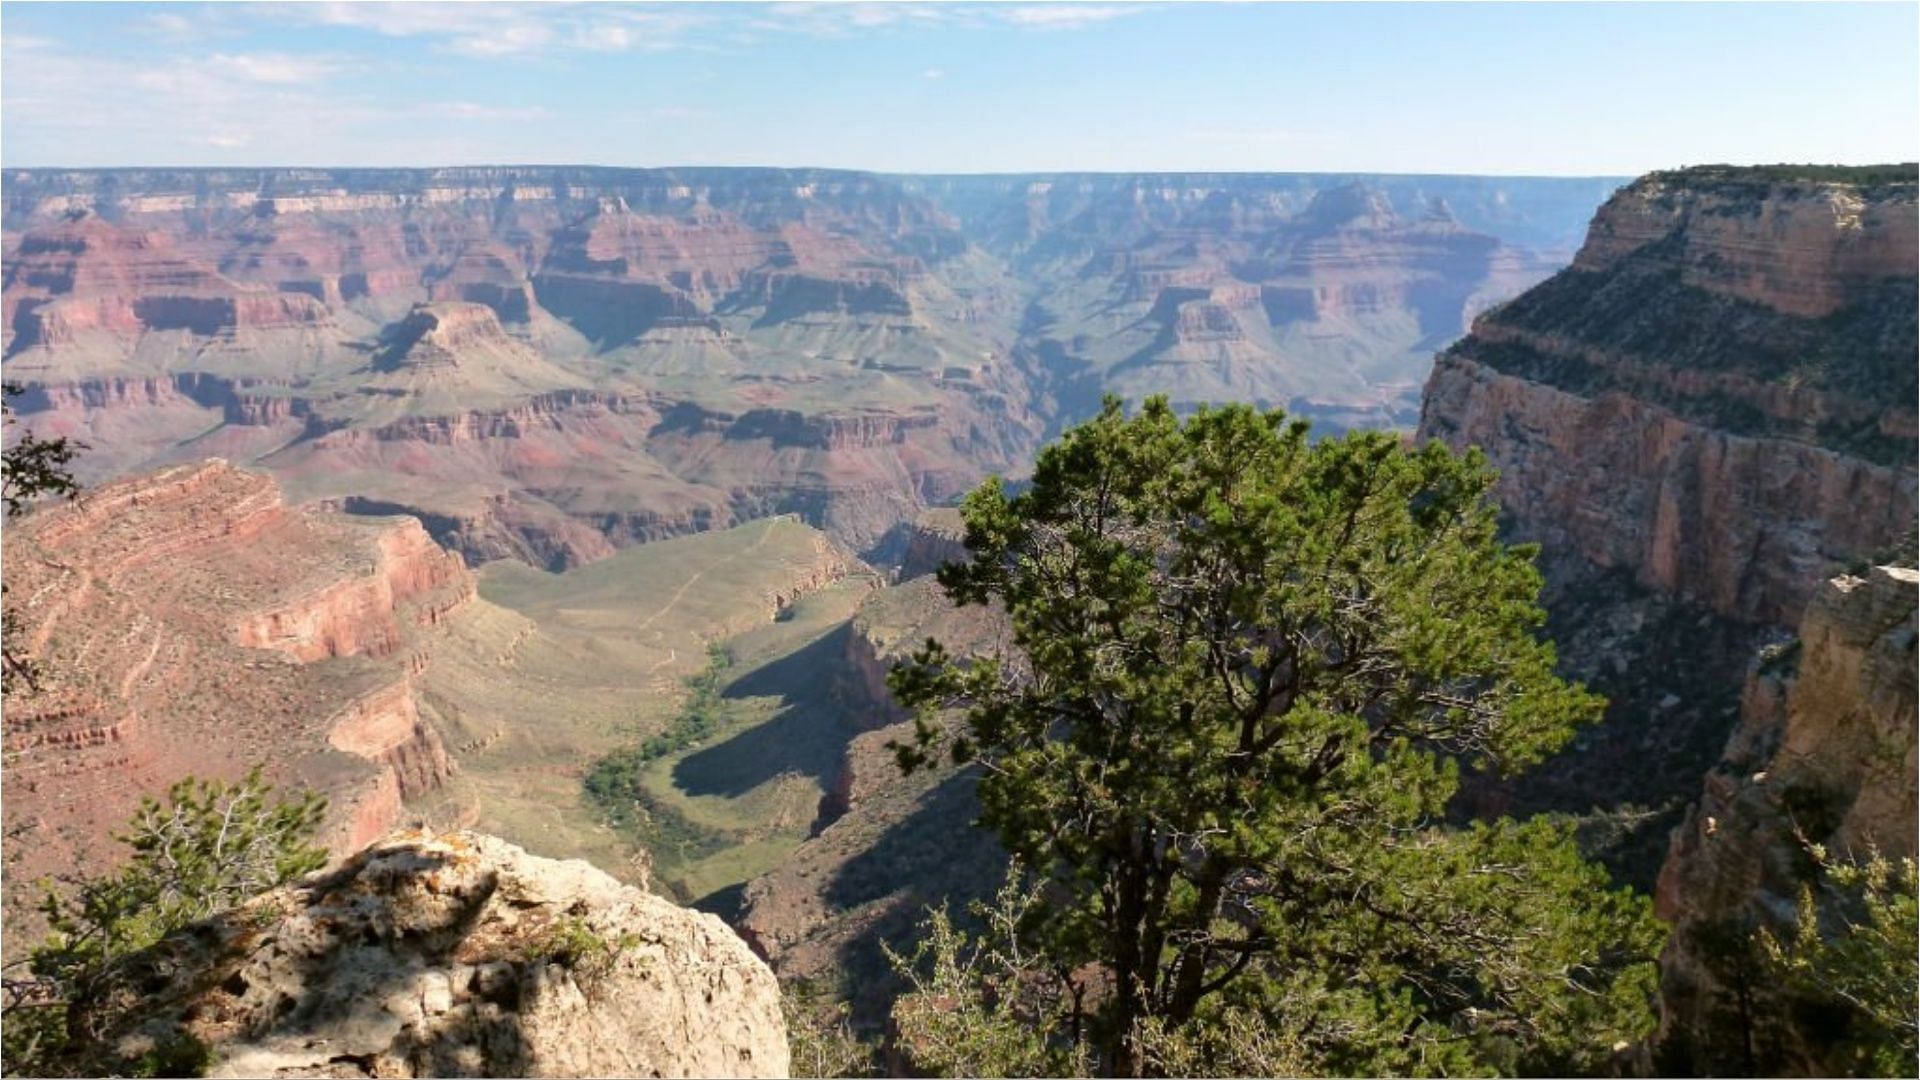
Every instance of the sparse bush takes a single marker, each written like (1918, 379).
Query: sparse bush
(987, 1004)
(820, 1035)
(574, 944)
(30, 468)
(211, 847)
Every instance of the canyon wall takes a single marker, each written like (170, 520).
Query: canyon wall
(1718, 395)
(1701, 421)
(189, 622)
(1824, 754)
(551, 363)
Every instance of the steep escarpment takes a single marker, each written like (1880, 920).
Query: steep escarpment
(190, 622)
(454, 955)
(936, 538)
(1696, 446)
(1824, 754)
(1718, 395)
(550, 364)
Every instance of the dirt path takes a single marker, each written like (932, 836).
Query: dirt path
(700, 573)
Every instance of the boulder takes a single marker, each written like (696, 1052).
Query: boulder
(452, 955)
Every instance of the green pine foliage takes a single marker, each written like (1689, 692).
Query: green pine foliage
(1857, 944)
(1248, 669)
(614, 777)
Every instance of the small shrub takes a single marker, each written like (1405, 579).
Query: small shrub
(574, 944)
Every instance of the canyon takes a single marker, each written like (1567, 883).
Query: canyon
(549, 364)
(688, 424)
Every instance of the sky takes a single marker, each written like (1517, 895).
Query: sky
(1532, 88)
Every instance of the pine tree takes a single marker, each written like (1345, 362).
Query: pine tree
(1247, 670)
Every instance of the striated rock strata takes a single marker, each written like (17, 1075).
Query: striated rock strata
(458, 955)
(1824, 753)
(1718, 395)
(191, 623)
(549, 363)
(1710, 412)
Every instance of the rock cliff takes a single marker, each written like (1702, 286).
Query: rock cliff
(1718, 395)
(1695, 450)
(1701, 420)
(1824, 753)
(936, 538)
(457, 955)
(190, 622)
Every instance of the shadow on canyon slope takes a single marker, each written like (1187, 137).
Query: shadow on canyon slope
(807, 735)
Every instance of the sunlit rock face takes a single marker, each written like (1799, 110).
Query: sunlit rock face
(458, 954)
(1703, 418)
(1824, 754)
(1717, 395)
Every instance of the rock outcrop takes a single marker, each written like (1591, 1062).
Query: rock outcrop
(1692, 457)
(1825, 753)
(1718, 395)
(936, 538)
(190, 622)
(457, 955)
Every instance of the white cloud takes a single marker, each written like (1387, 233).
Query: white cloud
(227, 141)
(839, 19)
(468, 110)
(171, 24)
(281, 68)
(933, 73)
(1063, 16)
(488, 30)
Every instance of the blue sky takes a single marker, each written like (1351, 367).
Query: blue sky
(1569, 89)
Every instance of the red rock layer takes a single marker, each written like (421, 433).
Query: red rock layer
(1804, 249)
(1744, 525)
(190, 623)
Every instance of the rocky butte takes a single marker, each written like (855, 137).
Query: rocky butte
(548, 364)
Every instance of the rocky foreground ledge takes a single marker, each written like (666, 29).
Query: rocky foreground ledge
(458, 955)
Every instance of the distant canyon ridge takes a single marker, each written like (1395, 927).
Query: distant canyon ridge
(548, 364)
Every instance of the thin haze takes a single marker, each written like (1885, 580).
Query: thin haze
(1575, 89)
